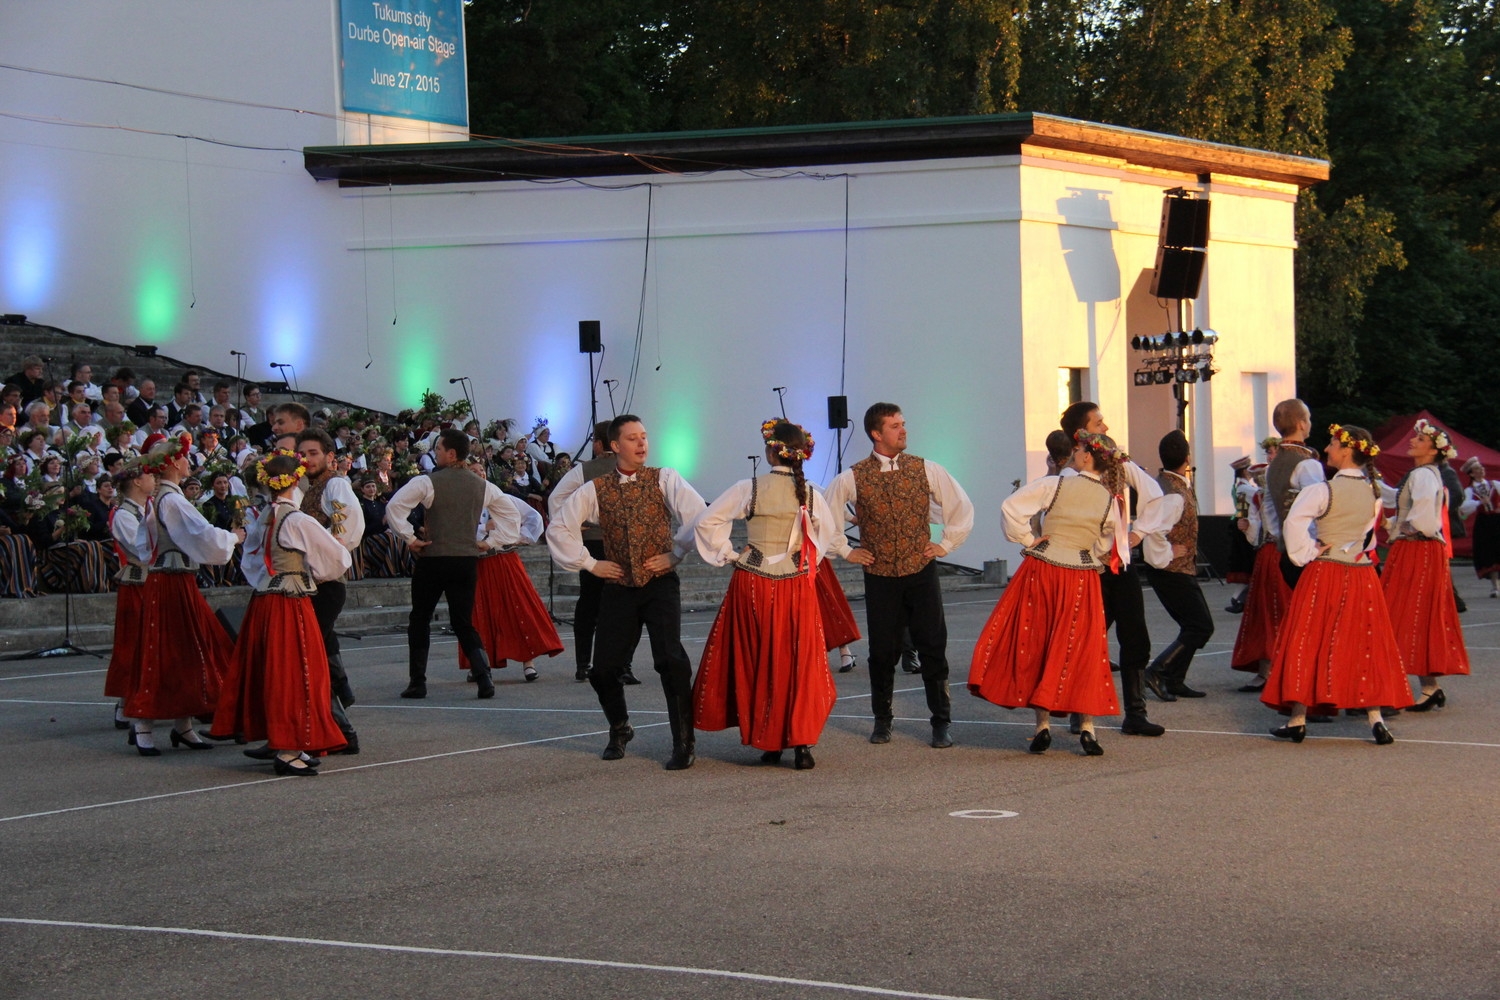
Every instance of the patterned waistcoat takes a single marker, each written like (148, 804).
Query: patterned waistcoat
(1185, 531)
(892, 512)
(636, 523)
(1279, 479)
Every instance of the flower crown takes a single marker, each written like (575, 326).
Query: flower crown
(282, 482)
(1267, 444)
(1350, 441)
(1439, 437)
(1100, 446)
(165, 452)
(801, 454)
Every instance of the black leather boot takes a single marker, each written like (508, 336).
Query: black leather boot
(620, 733)
(684, 742)
(479, 666)
(1162, 672)
(338, 679)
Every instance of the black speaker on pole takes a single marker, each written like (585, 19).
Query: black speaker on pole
(589, 341)
(1184, 222)
(1178, 273)
(838, 412)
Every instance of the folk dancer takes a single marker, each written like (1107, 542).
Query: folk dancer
(1335, 649)
(765, 665)
(635, 507)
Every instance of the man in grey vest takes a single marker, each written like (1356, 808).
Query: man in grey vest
(590, 587)
(448, 557)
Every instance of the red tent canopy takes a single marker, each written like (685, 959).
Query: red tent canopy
(1392, 437)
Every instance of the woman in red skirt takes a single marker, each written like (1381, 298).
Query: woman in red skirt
(277, 687)
(1417, 584)
(1336, 649)
(765, 666)
(508, 612)
(184, 651)
(136, 486)
(1044, 646)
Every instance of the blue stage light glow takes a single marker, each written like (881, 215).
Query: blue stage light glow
(29, 253)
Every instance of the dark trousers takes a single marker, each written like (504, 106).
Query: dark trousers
(327, 604)
(586, 611)
(454, 577)
(894, 603)
(1180, 594)
(1125, 609)
(622, 612)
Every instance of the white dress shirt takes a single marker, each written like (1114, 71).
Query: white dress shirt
(505, 521)
(565, 533)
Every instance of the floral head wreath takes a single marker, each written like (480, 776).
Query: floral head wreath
(802, 454)
(1439, 438)
(282, 482)
(164, 452)
(1099, 445)
(1350, 441)
(1271, 442)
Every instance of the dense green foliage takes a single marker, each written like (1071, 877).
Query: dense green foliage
(1398, 275)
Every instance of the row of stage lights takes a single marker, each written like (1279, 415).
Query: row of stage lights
(1191, 357)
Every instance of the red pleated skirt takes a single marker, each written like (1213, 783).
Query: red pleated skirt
(184, 651)
(1336, 649)
(125, 656)
(277, 688)
(839, 626)
(1265, 606)
(765, 667)
(1419, 597)
(509, 614)
(1045, 646)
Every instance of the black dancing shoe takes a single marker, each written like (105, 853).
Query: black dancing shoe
(803, 760)
(1181, 690)
(1254, 687)
(120, 721)
(771, 757)
(1139, 725)
(1294, 733)
(1235, 606)
(1090, 745)
(882, 731)
(627, 677)
(581, 674)
(1435, 700)
(1157, 685)
(181, 740)
(142, 750)
(294, 768)
(350, 748)
(416, 689)
(847, 662)
(1041, 741)
(618, 736)
(941, 739)
(1382, 735)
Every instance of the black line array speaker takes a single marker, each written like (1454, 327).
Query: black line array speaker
(838, 412)
(1184, 223)
(1178, 273)
(589, 341)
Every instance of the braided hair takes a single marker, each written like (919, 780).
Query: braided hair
(1109, 460)
(791, 445)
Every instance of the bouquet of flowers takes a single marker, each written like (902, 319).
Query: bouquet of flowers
(74, 523)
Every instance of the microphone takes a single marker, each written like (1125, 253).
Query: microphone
(275, 365)
(611, 381)
(778, 388)
(238, 354)
(461, 378)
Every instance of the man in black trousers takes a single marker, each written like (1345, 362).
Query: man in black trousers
(448, 557)
(1124, 606)
(893, 493)
(1172, 570)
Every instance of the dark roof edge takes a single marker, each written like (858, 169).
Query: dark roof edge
(793, 146)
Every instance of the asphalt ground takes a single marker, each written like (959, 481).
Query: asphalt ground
(482, 849)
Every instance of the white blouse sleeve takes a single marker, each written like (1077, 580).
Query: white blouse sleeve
(199, 540)
(1428, 501)
(710, 529)
(339, 499)
(327, 559)
(1018, 508)
(1300, 530)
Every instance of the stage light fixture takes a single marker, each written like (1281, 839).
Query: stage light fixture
(1163, 376)
(1143, 377)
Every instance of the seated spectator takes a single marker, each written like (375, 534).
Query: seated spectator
(194, 382)
(84, 373)
(34, 450)
(29, 379)
(220, 395)
(38, 418)
(156, 423)
(83, 423)
(182, 396)
(9, 415)
(251, 412)
(192, 421)
(124, 380)
(139, 408)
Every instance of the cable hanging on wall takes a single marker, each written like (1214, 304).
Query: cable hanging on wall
(187, 175)
(640, 319)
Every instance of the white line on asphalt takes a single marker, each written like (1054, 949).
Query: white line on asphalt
(63, 673)
(38, 701)
(398, 949)
(331, 771)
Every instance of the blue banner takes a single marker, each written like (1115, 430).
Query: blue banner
(405, 58)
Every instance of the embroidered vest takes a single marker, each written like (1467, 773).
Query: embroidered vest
(636, 523)
(892, 511)
(312, 500)
(769, 531)
(1185, 531)
(124, 519)
(1351, 506)
(453, 519)
(168, 557)
(1075, 523)
(289, 575)
(1279, 479)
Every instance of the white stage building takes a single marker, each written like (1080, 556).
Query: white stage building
(183, 174)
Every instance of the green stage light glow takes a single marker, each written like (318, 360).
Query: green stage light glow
(675, 440)
(417, 371)
(156, 304)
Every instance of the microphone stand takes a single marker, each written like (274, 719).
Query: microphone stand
(780, 391)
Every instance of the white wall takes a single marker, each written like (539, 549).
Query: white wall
(202, 248)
